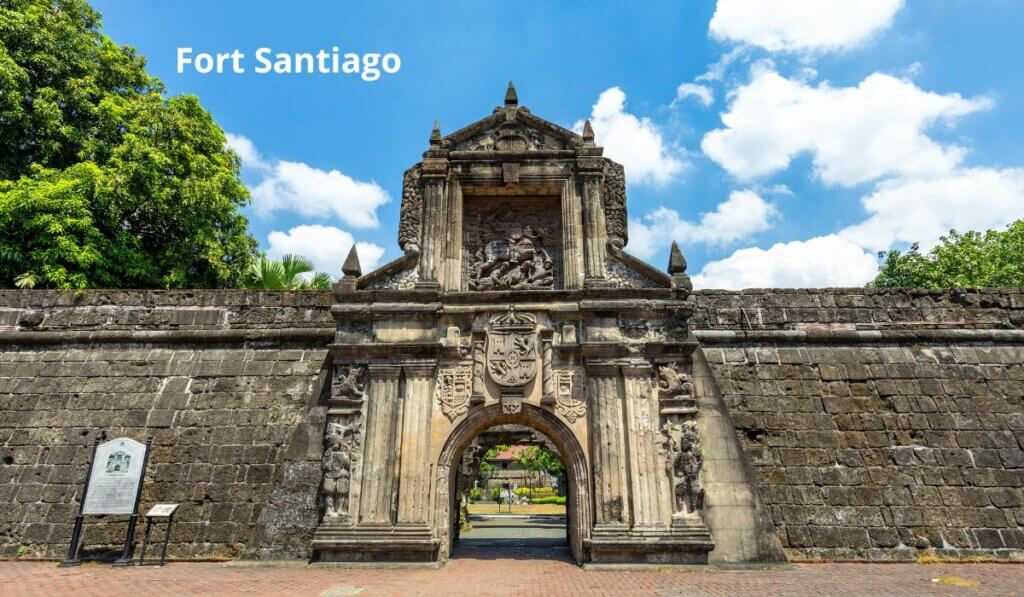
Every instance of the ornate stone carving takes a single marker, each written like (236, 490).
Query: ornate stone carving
(341, 441)
(412, 211)
(567, 405)
(673, 383)
(512, 348)
(403, 280)
(614, 194)
(515, 246)
(685, 458)
(453, 390)
(619, 275)
(348, 383)
(517, 262)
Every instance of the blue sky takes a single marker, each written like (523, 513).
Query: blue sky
(781, 143)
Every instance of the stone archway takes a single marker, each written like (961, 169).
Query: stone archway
(573, 457)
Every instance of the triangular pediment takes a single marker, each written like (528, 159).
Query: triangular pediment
(512, 128)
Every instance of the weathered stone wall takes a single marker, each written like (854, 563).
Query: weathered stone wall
(876, 422)
(228, 384)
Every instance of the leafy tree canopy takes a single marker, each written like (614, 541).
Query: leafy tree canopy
(969, 260)
(104, 182)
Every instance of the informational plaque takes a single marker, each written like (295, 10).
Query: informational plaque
(162, 510)
(114, 479)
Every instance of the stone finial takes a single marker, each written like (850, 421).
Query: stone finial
(351, 267)
(676, 261)
(588, 134)
(511, 98)
(435, 135)
(677, 269)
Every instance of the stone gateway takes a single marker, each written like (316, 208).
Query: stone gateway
(695, 427)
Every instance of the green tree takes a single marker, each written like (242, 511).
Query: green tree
(536, 460)
(287, 273)
(969, 260)
(126, 187)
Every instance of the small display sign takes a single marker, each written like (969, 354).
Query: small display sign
(114, 478)
(162, 510)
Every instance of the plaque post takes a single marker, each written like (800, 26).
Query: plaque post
(76, 532)
(126, 554)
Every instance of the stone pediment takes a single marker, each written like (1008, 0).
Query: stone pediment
(512, 128)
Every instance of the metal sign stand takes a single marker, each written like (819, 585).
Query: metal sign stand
(72, 558)
(158, 511)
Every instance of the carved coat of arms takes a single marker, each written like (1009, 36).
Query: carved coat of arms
(512, 349)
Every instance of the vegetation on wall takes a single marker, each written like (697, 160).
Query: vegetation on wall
(969, 260)
(104, 181)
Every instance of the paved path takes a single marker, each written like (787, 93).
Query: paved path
(486, 576)
(506, 556)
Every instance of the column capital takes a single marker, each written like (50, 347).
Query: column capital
(602, 368)
(384, 371)
(419, 368)
(637, 369)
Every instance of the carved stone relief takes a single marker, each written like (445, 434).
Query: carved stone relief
(567, 405)
(349, 382)
(453, 391)
(512, 348)
(403, 280)
(673, 382)
(614, 194)
(512, 248)
(342, 441)
(621, 276)
(684, 459)
(412, 211)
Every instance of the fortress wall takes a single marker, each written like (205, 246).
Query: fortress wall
(864, 446)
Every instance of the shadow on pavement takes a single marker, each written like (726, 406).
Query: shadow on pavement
(495, 537)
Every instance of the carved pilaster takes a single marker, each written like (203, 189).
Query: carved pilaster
(434, 173)
(477, 397)
(596, 237)
(414, 470)
(547, 368)
(650, 484)
(572, 238)
(608, 444)
(378, 462)
(452, 277)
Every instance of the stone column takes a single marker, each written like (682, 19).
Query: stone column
(414, 466)
(608, 447)
(596, 236)
(572, 238)
(452, 278)
(379, 454)
(433, 237)
(649, 477)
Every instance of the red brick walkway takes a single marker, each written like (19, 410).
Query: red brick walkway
(505, 577)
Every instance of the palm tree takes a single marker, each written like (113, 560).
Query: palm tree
(286, 273)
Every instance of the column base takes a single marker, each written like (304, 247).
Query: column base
(384, 543)
(680, 544)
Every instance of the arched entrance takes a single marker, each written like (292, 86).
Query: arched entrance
(579, 495)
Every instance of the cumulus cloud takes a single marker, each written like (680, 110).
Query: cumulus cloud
(326, 246)
(802, 25)
(854, 134)
(701, 93)
(922, 210)
(819, 262)
(309, 191)
(636, 143)
(742, 215)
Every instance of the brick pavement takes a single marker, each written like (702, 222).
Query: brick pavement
(480, 574)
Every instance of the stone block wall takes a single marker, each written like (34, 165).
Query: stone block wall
(235, 414)
(878, 423)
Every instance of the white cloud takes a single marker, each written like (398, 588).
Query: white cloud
(300, 188)
(703, 93)
(922, 210)
(818, 262)
(854, 134)
(246, 150)
(743, 214)
(326, 246)
(802, 25)
(636, 143)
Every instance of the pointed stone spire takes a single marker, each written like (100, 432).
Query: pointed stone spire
(677, 269)
(351, 267)
(435, 135)
(588, 134)
(511, 97)
(676, 261)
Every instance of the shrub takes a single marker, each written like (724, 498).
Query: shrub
(496, 494)
(537, 491)
(554, 499)
(476, 494)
